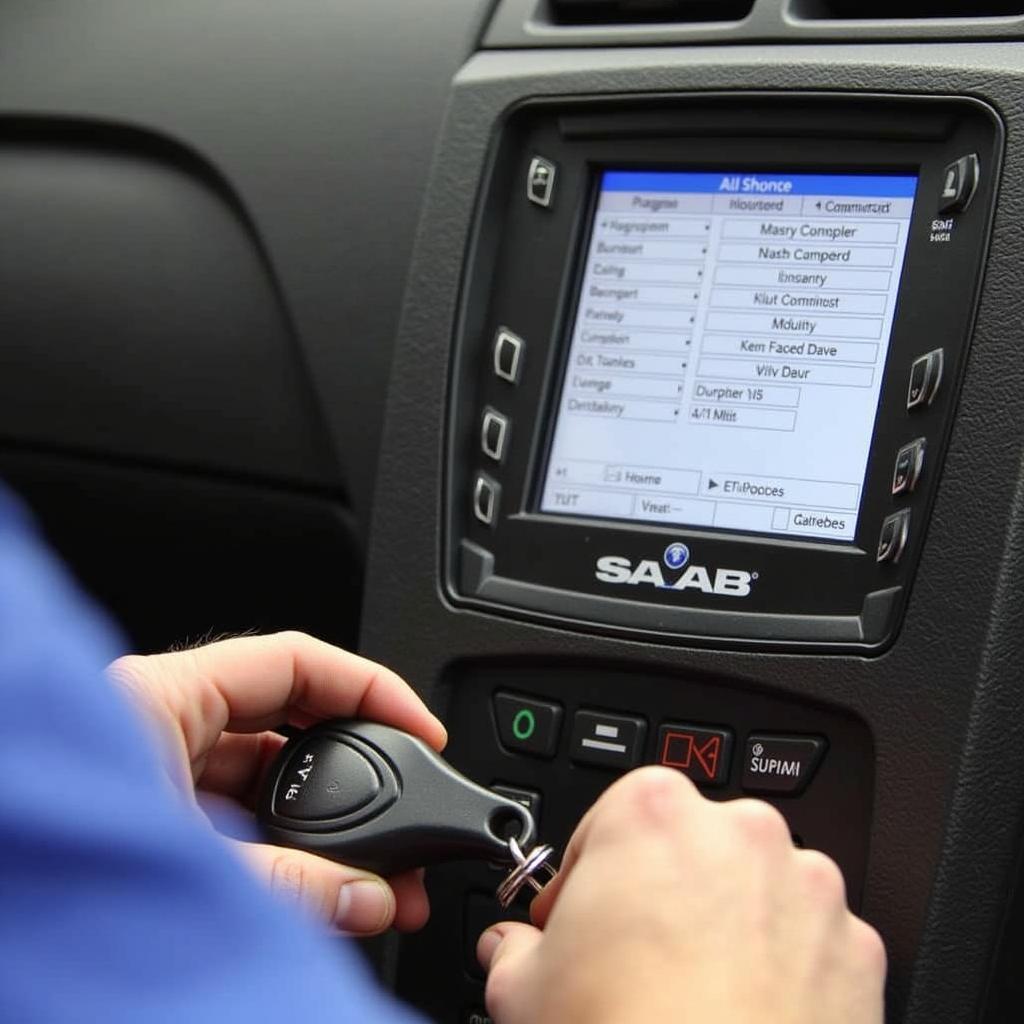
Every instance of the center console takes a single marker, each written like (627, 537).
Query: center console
(702, 450)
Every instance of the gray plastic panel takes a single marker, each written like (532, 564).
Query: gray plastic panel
(139, 318)
(942, 702)
(180, 557)
(528, 23)
(322, 116)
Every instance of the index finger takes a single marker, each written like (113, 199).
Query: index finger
(249, 684)
(622, 813)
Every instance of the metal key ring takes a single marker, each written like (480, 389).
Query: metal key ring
(527, 865)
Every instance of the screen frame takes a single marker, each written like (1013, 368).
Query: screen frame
(812, 594)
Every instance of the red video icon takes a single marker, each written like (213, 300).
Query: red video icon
(697, 756)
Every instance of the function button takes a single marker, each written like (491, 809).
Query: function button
(699, 752)
(918, 377)
(893, 538)
(615, 741)
(780, 764)
(959, 183)
(528, 798)
(909, 463)
(486, 493)
(325, 779)
(925, 377)
(493, 434)
(540, 181)
(508, 353)
(526, 725)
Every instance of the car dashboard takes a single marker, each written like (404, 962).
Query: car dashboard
(642, 382)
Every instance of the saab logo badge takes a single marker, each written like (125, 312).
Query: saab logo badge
(722, 582)
(676, 555)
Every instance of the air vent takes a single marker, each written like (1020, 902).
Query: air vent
(646, 12)
(530, 23)
(904, 10)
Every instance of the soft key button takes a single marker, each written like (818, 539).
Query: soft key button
(527, 725)
(540, 181)
(781, 764)
(614, 741)
(909, 463)
(508, 353)
(959, 183)
(486, 493)
(699, 752)
(925, 377)
(493, 434)
(893, 537)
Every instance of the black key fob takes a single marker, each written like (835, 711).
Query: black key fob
(377, 798)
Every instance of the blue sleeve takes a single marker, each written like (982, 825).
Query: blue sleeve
(118, 904)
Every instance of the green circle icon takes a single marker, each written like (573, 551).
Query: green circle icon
(524, 724)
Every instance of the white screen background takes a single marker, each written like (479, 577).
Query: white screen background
(728, 351)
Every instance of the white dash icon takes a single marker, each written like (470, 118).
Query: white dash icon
(609, 732)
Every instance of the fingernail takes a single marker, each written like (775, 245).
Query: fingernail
(489, 942)
(364, 906)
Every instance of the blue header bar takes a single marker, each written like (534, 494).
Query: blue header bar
(746, 183)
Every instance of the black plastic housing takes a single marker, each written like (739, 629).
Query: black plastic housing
(424, 811)
(523, 273)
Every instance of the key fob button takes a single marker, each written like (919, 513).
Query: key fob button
(325, 779)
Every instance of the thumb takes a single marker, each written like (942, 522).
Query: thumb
(506, 951)
(354, 901)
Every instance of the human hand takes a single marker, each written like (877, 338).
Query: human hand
(216, 705)
(669, 906)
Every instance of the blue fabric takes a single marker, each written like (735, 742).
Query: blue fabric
(117, 904)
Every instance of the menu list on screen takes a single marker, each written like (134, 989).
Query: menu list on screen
(728, 349)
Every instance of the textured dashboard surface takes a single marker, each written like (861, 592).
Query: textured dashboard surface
(320, 114)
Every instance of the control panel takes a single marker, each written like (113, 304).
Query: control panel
(707, 362)
(554, 737)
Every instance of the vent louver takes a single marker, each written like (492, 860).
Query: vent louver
(904, 10)
(531, 23)
(645, 12)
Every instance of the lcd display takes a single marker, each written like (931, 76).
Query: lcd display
(728, 348)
